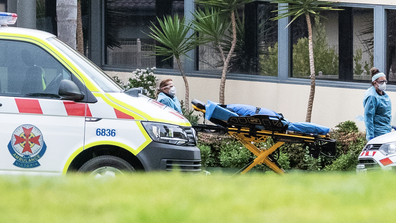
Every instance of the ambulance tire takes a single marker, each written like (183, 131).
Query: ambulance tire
(106, 166)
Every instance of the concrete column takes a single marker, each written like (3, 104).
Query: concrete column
(284, 49)
(189, 64)
(380, 38)
(26, 10)
(12, 6)
(96, 32)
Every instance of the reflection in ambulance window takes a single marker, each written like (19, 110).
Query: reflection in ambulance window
(28, 70)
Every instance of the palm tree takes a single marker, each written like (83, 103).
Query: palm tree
(212, 25)
(79, 34)
(172, 34)
(295, 9)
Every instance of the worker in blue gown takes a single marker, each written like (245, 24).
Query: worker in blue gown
(166, 95)
(377, 107)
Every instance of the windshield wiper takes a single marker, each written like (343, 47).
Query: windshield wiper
(43, 95)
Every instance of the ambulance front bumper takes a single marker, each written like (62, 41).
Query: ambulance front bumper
(161, 156)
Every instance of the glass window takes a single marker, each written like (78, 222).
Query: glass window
(46, 16)
(126, 28)
(325, 46)
(3, 7)
(256, 51)
(391, 45)
(28, 70)
(89, 68)
(46, 21)
(343, 45)
(267, 39)
(363, 43)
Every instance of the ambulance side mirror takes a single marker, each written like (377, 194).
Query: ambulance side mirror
(134, 92)
(68, 90)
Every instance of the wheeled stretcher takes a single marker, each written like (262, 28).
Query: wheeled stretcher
(251, 125)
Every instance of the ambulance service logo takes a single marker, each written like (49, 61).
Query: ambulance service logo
(27, 146)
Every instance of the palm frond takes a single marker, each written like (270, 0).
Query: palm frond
(295, 8)
(172, 34)
(210, 24)
(223, 5)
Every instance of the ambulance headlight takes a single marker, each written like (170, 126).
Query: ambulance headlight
(388, 148)
(166, 133)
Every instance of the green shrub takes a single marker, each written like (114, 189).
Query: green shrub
(357, 57)
(218, 150)
(234, 155)
(210, 145)
(144, 78)
(348, 137)
(301, 58)
(281, 158)
(350, 143)
(207, 158)
(189, 114)
(296, 153)
(370, 64)
(326, 58)
(225, 151)
(284, 161)
(311, 163)
(269, 61)
(347, 127)
(343, 163)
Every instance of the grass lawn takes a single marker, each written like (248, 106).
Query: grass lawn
(174, 197)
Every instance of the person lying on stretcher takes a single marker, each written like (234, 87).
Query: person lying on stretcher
(218, 113)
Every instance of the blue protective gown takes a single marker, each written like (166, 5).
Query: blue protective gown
(377, 113)
(169, 101)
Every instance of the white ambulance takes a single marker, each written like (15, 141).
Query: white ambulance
(379, 153)
(60, 113)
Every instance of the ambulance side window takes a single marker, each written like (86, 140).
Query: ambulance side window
(27, 70)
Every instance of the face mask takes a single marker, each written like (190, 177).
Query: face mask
(382, 87)
(172, 91)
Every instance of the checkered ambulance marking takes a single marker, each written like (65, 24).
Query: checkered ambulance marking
(61, 108)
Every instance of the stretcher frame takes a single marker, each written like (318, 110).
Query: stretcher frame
(250, 130)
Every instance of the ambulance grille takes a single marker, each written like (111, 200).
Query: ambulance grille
(369, 163)
(182, 165)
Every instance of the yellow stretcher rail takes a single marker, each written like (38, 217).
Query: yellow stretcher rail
(249, 135)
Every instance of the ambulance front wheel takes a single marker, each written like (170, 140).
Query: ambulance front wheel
(103, 166)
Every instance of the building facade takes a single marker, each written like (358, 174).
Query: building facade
(270, 67)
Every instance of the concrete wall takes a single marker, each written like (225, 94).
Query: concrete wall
(331, 105)
(372, 2)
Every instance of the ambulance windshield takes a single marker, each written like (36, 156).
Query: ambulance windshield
(88, 67)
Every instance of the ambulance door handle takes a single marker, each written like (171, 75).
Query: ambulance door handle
(1, 104)
(92, 119)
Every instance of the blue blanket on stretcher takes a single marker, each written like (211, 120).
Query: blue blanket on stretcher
(214, 110)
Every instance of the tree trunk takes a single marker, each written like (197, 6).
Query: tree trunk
(187, 94)
(227, 61)
(80, 37)
(312, 69)
(66, 13)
